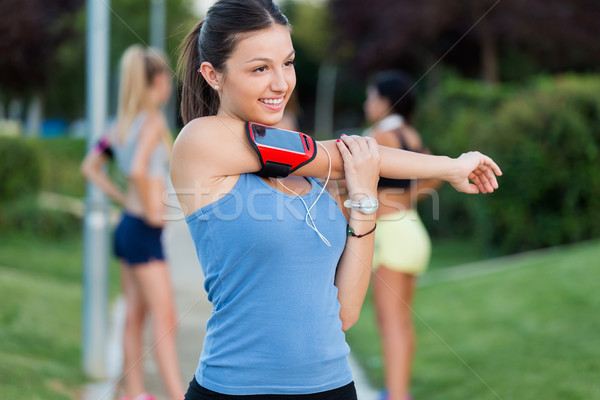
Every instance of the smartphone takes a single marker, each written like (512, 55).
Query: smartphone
(280, 151)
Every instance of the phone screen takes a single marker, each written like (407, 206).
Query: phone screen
(278, 138)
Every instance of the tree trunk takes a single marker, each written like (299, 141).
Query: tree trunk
(34, 116)
(489, 57)
(324, 107)
(15, 109)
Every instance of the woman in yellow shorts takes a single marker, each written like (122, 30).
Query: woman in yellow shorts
(402, 245)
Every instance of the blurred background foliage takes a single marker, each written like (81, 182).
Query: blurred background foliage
(29, 168)
(44, 47)
(486, 39)
(545, 135)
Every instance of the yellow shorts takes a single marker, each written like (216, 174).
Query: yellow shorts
(402, 243)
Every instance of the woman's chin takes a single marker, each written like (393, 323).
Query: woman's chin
(270, 119)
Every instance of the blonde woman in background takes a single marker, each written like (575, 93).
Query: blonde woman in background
(140, 143)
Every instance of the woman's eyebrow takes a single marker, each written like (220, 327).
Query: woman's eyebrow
(265, 59)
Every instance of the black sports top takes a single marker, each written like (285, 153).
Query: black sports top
(399, 183)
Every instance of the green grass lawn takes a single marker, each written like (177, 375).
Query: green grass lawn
(450, 252)
(41, 286)
(40, 317)
(526, 331)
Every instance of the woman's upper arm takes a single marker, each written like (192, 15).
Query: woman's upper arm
(207, 156)
(212, 147)
(319, 166)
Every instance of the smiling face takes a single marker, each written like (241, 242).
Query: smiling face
(259, 76)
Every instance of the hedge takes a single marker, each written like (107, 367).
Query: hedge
(28, 166)
(24, 215)
(20, 168)
(545, 137)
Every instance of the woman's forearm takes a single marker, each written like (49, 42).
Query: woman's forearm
(402, 164)
(395, 164)
(110, 189)
(92, 169)
(354, 268)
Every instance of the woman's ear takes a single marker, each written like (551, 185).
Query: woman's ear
(210, 74)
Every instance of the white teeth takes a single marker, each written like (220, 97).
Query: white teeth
(272, 101)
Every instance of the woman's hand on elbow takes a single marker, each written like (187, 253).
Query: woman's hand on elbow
(478, 168)
(361, 165)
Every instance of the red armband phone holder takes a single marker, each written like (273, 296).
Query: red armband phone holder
(280, 151)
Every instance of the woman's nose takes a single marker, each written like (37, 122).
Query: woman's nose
(279, 82)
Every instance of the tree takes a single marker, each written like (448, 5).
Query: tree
(130, 24)
(32, 31)
(553, 35)
(32, 61)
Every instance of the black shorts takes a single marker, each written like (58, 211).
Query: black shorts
(197, 392)
(136, 242)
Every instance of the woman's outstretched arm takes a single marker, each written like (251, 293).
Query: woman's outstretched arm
(211, 152)
(402, 164)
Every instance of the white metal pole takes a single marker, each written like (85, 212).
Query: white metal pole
(158, 23)
(95, 274)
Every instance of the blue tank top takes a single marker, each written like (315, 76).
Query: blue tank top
(275, 325)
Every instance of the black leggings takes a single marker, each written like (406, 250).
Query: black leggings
(197, 392)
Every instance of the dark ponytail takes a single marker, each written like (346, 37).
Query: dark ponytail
(198, 99)
(213, 40)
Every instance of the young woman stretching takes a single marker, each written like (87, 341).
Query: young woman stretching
(284, 270)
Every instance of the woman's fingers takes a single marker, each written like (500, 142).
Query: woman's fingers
(466, 187)
(482, 181)
(358, 145)
(352, 142)
(494, 167)
(475, 178)
(484, 172)
(373, 146)
(343, 149)
(361, 164)
(491, 171)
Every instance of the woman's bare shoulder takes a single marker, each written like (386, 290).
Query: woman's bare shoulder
(213, 147)
(411, 137)
(385, 137)
(208, 156)
(206, 131)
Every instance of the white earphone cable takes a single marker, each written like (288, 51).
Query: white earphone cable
(308, 216)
